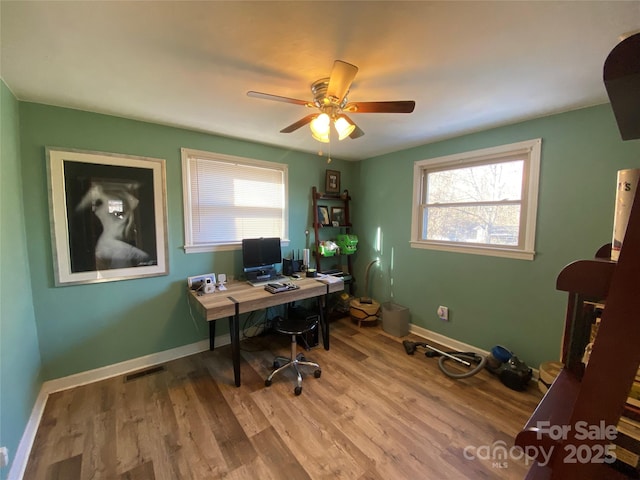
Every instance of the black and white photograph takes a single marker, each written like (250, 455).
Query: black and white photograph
(108, 217)
(337, 215)
(323, 215)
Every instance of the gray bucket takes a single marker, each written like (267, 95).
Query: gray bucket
(395, 319)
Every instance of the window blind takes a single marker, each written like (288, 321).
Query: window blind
(230, 200)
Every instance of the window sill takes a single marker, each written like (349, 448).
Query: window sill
(476, 250)
(221, 247)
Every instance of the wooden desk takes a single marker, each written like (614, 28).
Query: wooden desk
(240, 297)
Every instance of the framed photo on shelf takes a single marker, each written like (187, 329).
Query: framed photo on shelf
(332, 182)
(323, 215)
(337, 216)
(108, 216)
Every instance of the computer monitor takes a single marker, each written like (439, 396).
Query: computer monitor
(260, 257)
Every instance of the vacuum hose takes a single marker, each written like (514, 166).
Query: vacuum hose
(465, 358)
(471, 357)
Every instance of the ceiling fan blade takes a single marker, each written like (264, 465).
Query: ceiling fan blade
(400, 106)
(357, 132)
(277, 98)
(340, 80)
(300, 123)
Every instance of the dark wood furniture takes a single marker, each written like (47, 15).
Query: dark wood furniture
(622, 81)
(595, 395)
(325, 263)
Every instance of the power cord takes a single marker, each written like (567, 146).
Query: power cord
(193, 319)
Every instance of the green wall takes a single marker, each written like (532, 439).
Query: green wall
(93, 325)
(499, 301)
(20, 379)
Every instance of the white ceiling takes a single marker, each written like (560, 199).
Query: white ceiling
(468, 65)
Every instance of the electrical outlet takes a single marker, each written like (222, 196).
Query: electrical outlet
(4, 457)
(443, 313)
(196, 281)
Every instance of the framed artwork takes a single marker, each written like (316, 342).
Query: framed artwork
(332, 182)
(323, 215)
(108, 216)
(337, 215)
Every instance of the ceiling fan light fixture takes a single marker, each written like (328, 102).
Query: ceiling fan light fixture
(321, 138)
(344, 127)
(320, 128)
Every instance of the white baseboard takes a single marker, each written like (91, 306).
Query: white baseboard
(127, 366)
(26, 442)
(51, 386)
(445, 341)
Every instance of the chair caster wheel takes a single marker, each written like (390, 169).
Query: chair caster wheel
(297, 390)
(267, 383)
(317, 373)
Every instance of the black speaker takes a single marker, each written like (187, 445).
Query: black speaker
(289, 267)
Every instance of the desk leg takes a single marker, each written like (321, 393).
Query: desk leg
(323, 308)
(212, 334)
(234, 332)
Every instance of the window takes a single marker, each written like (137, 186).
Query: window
(229, 198)
(482, 202)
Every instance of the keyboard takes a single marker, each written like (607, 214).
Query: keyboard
(280, 287)
(334, 272)
(262, 283)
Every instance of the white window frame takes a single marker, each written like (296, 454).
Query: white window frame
(187, 155)
(529, 201)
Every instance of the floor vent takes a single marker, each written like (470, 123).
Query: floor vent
(144, 373)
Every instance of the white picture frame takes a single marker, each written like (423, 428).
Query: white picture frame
(108, 216)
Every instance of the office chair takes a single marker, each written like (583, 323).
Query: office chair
(294, 327)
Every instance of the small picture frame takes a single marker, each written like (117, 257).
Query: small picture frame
(337, 216)
(332, 182)
(323, 215)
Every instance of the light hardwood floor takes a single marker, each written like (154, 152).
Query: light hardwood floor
(376, 413)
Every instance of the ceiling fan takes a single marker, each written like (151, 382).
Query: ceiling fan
(330, 98)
